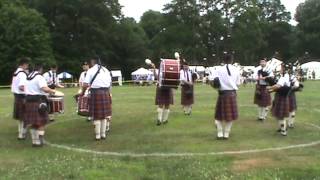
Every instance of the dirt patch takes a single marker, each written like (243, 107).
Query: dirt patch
(245, 165)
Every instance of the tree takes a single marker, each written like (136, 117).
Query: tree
(308, 28)
(23, 33)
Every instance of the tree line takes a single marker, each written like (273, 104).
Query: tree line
(66, 33)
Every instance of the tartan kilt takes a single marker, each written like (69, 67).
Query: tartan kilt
(292, 102)
(33, 117)
(18, 107)
(164, 96)
(262, 97)
(100, 104)
(187, 98)
(280, 107)
(226, 107)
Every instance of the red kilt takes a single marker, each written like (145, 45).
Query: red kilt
(33, 117)
(227, 108)
(187, 95)
(292, 102)
(280, 107)
(262, 97)
(164, 96)
(18, 107)
(100, 106)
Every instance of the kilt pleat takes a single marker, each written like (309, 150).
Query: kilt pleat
(280, 107)
(164, 96)
(33, 117)
(187, 98)
(18, 108)
(226, 107)
(292, 102)
(100, 106)
(262, 97)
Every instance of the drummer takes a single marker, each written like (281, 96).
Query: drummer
(53, 82)
(187, 93)
(85, 68)
(36, 111)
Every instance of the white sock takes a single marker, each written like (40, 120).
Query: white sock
(32, 133)
(227, 129)
(283, 125)
(266, 110)
(260, 112)
(189, 109)
(97, 128)
(219, 129)
(20, 129)
(36, 137)
(291, 118)
(103, 128)
(160, 114)
(166, 113)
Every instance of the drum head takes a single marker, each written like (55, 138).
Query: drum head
(59, 94)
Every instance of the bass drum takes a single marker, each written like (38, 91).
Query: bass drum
(169, 73)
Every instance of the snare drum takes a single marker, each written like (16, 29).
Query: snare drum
(83, 105)
(169, 73)
(56, 105)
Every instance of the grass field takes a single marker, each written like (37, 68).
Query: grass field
(134, 132)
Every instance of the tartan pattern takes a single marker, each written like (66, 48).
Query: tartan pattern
(83, 105)
(187, 99)
(262, 97)
(226, 107)
(164, 96)
(18, 108)
(100, 104)
(280, 107)
(292, 102)
(33, 117)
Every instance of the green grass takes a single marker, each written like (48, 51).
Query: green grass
(134, 131)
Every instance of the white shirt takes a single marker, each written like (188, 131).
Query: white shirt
(185, 75)
(284, 80)
(33, 87)
(82, 77)
(294, 80)
(256, 75)
(51, 77)
(18, 81)
(227, 82)
(103, 79)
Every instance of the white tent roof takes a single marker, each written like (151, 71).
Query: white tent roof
(116, 73)
(64, 75)
(314, 65)
(142, 71)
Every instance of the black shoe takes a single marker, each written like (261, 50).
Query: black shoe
(52, 120)
(103, 138)
(279, 130)
(36, 145)
(220, 138)
(21, 139)
(225, 138)
(158, 122)
(260, 119)
(97, 139)
(165, 122)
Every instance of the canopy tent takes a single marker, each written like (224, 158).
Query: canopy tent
(141, 71)
(312, 69)
(142, 75)
(64, 75)
(118, 76)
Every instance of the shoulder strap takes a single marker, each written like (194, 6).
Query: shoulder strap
(95, 76)
(32, 76)
(49, 74)
(16, 74)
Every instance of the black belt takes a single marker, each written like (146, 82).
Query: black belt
(99, 89)
(227, 92)
(36, 98)
(19, 95)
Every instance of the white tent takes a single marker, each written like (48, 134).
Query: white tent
(117, 74)
(312, 68)
(141, 71)
(64, 75)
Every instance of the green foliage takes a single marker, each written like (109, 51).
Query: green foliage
(308, 17)
(23, 33)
